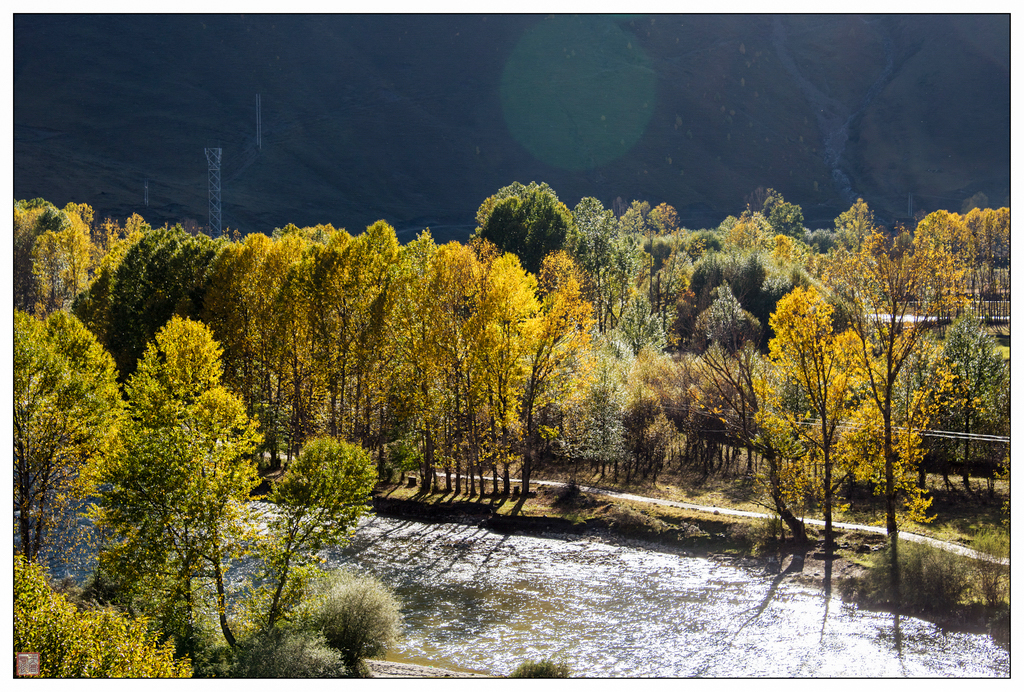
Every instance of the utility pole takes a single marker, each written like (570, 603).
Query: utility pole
(146, 185)
(213, 159)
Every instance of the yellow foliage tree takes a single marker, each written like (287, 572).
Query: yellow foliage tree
(893, 288)
(72, 644)
(62, 260)
(821, 365)
(505, 332)
(558, 354)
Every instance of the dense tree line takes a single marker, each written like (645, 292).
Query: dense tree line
(624, 346)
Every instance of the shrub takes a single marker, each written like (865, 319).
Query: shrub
(284, 653)
(991, 579)
(358, 616)
(100, 643)
(541, 669)
(629, 521)
(763, 532)
(932, 579)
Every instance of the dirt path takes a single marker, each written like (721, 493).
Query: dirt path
(905, 535)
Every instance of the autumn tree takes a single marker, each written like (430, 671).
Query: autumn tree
(241, 308)
(66, 414)
(417, 370)
(820, 364)
(558, 347)
(751, 231)
(733, 387)
(162, 274)
(505, 332)
(855, 224)
(664, 218)
(455, 417)
(62, 259)
(301, 378)
(31, 218)
(53, 254)
(72, 644)
(93, 305)
(351, 300)
(175, 496)
(893, 288)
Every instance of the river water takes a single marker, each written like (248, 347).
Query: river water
(479, 601)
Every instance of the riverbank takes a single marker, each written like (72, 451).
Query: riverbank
(737, 538)
(389, 669)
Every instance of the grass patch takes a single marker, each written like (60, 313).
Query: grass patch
(1001, 332)
(940, 585)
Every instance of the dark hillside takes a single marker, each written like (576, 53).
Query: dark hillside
(402, 117)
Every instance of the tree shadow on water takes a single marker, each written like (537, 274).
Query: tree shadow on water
(796, 565)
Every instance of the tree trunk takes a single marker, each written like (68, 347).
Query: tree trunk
(526, 473)
(274, 605)
(222, 603)
(828, 507)
(428, 462)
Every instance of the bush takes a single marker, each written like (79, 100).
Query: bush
(358, 616)
(763, 533)
(631, 522)
(284, 653)
(541, 669)
(932, 580)
(992, 579)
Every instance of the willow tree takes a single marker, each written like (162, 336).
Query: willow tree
(894, 288)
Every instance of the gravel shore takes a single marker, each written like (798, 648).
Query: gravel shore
(387, 669)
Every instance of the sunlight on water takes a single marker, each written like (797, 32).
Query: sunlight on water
(475, 600)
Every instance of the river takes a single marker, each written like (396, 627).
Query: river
(474, 600)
